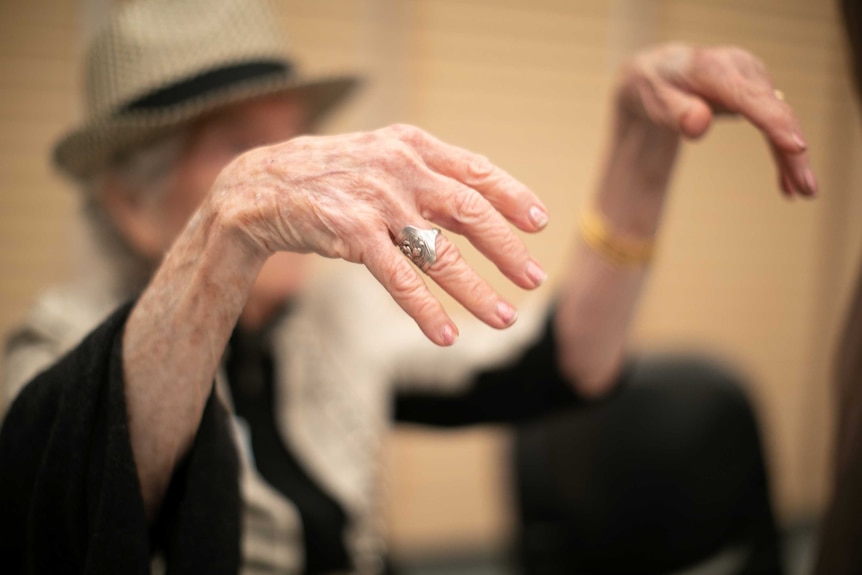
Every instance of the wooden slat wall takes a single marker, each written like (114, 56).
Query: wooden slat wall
(37, 82)
(741, 274)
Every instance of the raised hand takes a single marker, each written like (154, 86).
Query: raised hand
(681, 88)
(350, 197)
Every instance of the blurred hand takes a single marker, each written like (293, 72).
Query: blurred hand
(681, 88)
(350, 196)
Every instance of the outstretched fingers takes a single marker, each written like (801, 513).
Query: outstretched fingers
(465, 211)
(403, 280)
(506, 194)
(422, 182)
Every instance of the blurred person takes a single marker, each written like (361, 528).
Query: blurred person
(839, 551)
(668, 475)
(228, 412)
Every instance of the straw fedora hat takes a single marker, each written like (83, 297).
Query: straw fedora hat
(159, 64)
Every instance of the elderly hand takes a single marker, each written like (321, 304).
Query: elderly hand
(350, 196)
(680, 88)
(663, 95)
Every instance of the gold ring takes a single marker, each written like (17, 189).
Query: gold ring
(779, 94)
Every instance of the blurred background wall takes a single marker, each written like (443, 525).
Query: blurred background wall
(742, 274)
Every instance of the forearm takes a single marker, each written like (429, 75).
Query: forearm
(599, 298)
(663, 94)
(174, 340)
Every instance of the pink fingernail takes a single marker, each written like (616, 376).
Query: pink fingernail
(506, 313)
(800, 143)
(539, 217)
(449, 335)
(536, 274)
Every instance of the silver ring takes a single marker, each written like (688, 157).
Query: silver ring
(419, 245)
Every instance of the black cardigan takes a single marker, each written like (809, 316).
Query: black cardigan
(70, 500)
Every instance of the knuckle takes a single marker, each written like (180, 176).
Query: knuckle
(748, 64)
(664, 62)
(743, 56)
(473, 288)
(709, 60)
(732, 52)
(424, 308)
(408, 288)
(398, 156)
(480, 168)
(673, 48)
(506, 250)
(469, 206)
(404, 132)
(747, 90)
(405, 284)
(732, 58)
(368, 139)
(448, 255)
(512, 246)
(757, 64)
(450, 265)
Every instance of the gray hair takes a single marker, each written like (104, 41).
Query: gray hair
(147, 173)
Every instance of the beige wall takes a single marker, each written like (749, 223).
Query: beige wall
(741, 273)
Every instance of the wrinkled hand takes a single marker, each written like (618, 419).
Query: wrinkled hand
(681, 88)
(349, 197)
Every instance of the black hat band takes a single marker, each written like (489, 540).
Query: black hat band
(211, 80)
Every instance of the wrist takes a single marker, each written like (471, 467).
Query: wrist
(228, 235)
(645, 149)
(616, 248)
(637, 175)
(230, 221)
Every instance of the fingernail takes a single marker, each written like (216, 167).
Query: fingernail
(506, 313)
(536, 274)
(449, 335)
(539, 217)
(800, 143)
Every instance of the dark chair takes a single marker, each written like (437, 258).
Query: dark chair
(664, 474)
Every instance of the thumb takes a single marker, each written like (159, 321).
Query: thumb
(679, 110)
(695, 118)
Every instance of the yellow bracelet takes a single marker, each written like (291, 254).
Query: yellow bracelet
(620, 251)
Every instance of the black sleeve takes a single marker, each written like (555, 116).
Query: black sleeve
(527, 387)
(70, 500)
